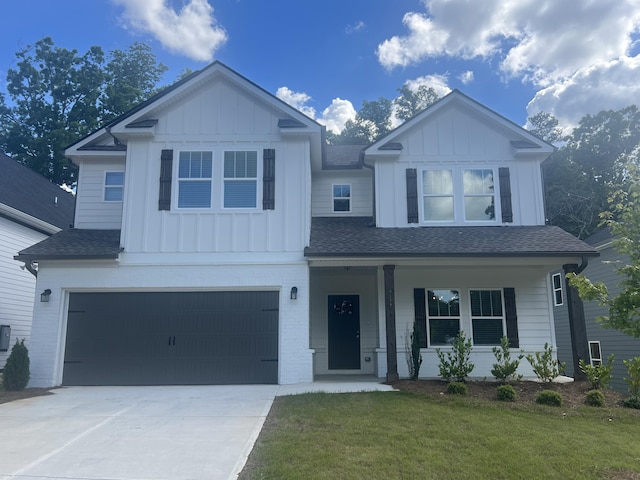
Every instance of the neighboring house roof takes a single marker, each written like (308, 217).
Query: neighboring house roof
(602, 236)
(354, 237)
(343, 157)
(27, 192)
(75, 244)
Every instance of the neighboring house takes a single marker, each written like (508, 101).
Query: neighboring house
(31, 209)
(219, 240)
(602, 342)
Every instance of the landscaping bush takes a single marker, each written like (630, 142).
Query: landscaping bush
(595, 398)
(412, 346)
(633, 380)
(16, 371)
(598, 375)
(549, 397)
(544, 365)
(506, 393)
(455, 365)
(632, 402)
(457, 388)
(505, 369)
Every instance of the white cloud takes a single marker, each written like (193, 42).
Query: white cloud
(336, 115)
(356, 27)
(193, 31)
(297, 100)
(440, 83)
(466, 77)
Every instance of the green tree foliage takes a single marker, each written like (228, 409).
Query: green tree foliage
(56, 96)
(546, 126)
(411, 102)
(623, 218)
(16, 371)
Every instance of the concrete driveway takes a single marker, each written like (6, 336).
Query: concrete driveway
(142, 433)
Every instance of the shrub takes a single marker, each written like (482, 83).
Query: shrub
(632, 402)
(544, 365)
(598, 375)
(549, 397)
(456, 364)
(595, 398)
(505, 369)
(16, 371)
(457, 388)
(412, 346)
(633, 380)
(506, 393)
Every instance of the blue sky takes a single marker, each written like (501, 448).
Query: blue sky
(566, 57)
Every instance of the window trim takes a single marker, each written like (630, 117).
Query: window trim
(177, 180)
(256, 179)
(556, 290)
(106, 187)
(473, 317)
(334, 198)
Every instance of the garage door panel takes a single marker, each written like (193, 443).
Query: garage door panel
(152, 338)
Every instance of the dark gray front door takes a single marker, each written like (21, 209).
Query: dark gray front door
(172, 338)
(344, 332)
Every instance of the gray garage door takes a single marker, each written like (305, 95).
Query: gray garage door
(172, 338)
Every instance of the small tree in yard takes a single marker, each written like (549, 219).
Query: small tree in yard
(414, 356)
(505, 369)
(456, 365)
(544, 365)
(16, 371)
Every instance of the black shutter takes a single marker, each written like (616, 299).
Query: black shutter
(269, 179)
(166, 164)
(512, 317)
(505, 195)
(420, 310)
(412, 195)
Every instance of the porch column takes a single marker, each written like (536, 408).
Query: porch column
(577, 325)
(390, 318)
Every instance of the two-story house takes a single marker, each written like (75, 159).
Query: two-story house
(219, 240)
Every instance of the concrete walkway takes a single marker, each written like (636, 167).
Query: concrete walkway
(142, 433)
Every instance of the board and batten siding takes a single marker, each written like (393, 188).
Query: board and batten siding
(361, 193)
(457, 138)
(17, 289)
(92, 211)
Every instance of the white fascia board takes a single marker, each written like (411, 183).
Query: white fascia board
(28, 220)
(545, 263)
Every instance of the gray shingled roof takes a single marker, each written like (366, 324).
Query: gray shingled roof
(353, 237)
(75, 244)
(29, 192)
(343, 157)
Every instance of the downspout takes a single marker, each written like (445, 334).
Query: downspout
(373, 186)
(577, 321)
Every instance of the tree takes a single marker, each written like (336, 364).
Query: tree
(411, 102)
(57, 96)
(546, 126)
(623, 218)
(16, 371)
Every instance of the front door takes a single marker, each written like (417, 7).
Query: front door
(344, 332)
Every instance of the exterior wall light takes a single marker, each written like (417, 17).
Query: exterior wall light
(44, 296)
(294, 293)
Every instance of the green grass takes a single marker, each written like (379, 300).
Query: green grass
(412, 436)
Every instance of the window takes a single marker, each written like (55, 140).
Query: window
(443, 313)
(487, 316)
(342, 198)
(437, 201)
(479, 198)
(240, 179)
(194, 179)
(557, 289)
(113, 186)
(595, 353)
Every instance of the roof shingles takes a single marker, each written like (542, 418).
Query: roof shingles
(75, 244)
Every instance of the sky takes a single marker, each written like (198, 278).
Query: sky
(325, 57)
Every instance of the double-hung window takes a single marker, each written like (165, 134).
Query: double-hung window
(558, 299)
(479, 195)
(443, 316)
(342, 198)
(240, 179)
(113, 186)
(438, 198)
(194, 179)
(487, 316)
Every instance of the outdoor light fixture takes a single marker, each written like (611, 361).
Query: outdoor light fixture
(44, 296)
(294, 293)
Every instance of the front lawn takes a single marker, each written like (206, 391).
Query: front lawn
(407, 435)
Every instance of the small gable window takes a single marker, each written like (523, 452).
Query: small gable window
(342, 198)
(240, 179)
(194, 179)
(113, 186)
(557, 289)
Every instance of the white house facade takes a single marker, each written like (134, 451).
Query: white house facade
(218, 239)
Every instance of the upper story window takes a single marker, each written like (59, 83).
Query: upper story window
(194, 179)
(456, 195)
(487, 316)
(113, 186)
(558, 299)
(240, 179)
(342, 198)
